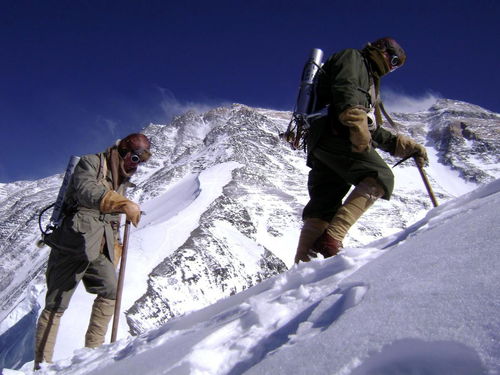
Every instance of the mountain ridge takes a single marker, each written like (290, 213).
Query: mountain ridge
(256, 204)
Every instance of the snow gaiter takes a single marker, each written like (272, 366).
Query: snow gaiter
(312, 229)
(45, 337)
(102, 311)
(361, 198)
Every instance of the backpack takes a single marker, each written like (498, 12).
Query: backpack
(57, 214)
(305, 108)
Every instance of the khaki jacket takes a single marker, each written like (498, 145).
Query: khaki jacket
(85, 230)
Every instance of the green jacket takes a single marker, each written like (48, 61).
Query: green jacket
(85, 229)
(344, 81)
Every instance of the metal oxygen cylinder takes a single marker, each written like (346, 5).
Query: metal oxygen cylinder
(56, 217)
(295, 134)
(304, 102)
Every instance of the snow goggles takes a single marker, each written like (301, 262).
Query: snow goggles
(139, 156)
(394, 61)
(134, 158)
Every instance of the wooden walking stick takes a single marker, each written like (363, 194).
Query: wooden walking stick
(420, 168)
(426, 183)
(121, 277)
(424, 178)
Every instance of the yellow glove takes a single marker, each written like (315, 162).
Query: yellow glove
(112, 202)
(356, 119)
(406, 146)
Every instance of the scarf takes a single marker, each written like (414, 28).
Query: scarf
(378, 67)
(115, 163)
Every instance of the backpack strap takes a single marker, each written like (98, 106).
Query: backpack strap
(103, 172)
(387, 117)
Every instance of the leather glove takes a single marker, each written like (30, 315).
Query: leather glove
(356, 119)
(406, 146)
(112, 202)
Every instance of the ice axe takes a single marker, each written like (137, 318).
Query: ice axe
(121, 277)
(424, 178)
(426, 183)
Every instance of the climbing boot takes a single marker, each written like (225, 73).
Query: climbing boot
(327, 245)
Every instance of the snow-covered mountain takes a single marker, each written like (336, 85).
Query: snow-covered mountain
(422, 301)
(223, 198)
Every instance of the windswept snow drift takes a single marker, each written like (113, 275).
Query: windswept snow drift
(422, 301)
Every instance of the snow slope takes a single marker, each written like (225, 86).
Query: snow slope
(223, 200)
(422, 301)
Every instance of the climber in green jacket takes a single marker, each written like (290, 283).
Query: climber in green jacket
(341, 146)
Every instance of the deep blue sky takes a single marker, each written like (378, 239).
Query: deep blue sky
(77, 75)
